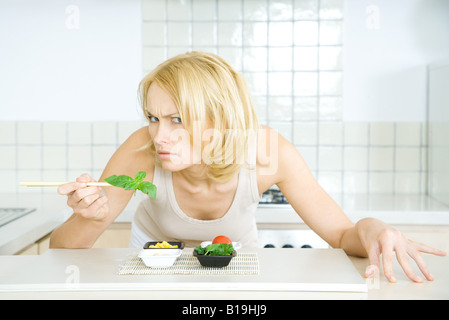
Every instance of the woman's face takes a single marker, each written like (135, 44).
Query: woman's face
(170, 138)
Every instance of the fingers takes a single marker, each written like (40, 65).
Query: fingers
(70, 187)
(89, 202)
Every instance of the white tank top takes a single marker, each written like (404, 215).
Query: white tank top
(163, 219)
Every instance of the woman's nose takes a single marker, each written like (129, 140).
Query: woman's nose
(162, 135)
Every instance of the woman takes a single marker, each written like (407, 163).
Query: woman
(210, 160)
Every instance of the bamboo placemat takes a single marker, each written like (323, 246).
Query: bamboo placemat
(187, 264)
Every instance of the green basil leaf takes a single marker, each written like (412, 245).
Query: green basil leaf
(140, 176)
(128, 183)
(119, 181)
(148, 188)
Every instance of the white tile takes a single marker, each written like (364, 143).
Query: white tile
(54, 157)
(101, 156)
(79, 133)
(309, 155)
(80, 157)
(381, 182)
(330, 133)
(7, 132)
(381, 158)
(29, 157)
(125, 129)
(178, 34)
(330, 158)
(280, 34)
(280, 108)
(10, 182)
(331, 9)
(178, 10)
(331, 108)
(7, 157)
(330, 58)
(28, 175)
(305, 133)
(306, 58)
(306, 33)
(381, 133)
(229, 10)
(255, 59)
(232, 55)
(153, 10)
(104, 133)
(305, 108)
(257, 82)
(331, 83)
(153, 33)
(355, 182)
(305, 83)
(355, 158)
(306, 9)
(54, 133)
(280, 59)
(331, 33)
(407, 182)
(330, 181)
(407, 159)
(280, 83)
(408, 133)
(152, 57)
(355, 133)
(230, 33)
(260, 105)
(255, 10)
(204, 10)
(255, 33)
(280, 10)
(29, 132)
(204, 34)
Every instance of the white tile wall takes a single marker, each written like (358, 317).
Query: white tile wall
(58, 151)
(290, 53)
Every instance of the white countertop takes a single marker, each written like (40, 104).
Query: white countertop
(93, 274)
(51, 211)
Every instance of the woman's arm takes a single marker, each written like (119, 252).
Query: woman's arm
(367, 238)
(95, 208)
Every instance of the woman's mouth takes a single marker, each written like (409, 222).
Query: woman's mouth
(164, 155)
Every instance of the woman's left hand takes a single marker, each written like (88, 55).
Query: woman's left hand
(378, 238)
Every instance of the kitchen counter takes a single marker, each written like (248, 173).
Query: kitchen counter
(93, 274)
(50, 211)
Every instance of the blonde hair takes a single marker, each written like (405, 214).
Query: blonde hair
(207, 90)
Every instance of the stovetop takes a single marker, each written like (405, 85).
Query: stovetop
(8, 215)
(273, 196)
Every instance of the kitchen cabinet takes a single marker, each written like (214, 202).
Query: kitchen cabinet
(116, 236)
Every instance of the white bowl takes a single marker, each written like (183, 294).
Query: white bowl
(159, 258)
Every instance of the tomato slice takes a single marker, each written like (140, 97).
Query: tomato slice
(222, 239)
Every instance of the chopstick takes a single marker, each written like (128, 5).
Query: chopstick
(58, 183)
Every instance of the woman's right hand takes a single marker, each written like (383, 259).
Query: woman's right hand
(89, 202)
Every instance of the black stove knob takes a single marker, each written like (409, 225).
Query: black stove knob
(287, 246)
(269, 246)
(306, 246)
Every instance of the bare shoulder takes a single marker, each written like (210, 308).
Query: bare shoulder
(132, 156)
(276, 158)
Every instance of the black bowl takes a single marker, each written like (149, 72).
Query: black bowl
(214, 261)
(173, 243)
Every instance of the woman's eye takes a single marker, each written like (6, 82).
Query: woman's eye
(176, 120)
(153, 119)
